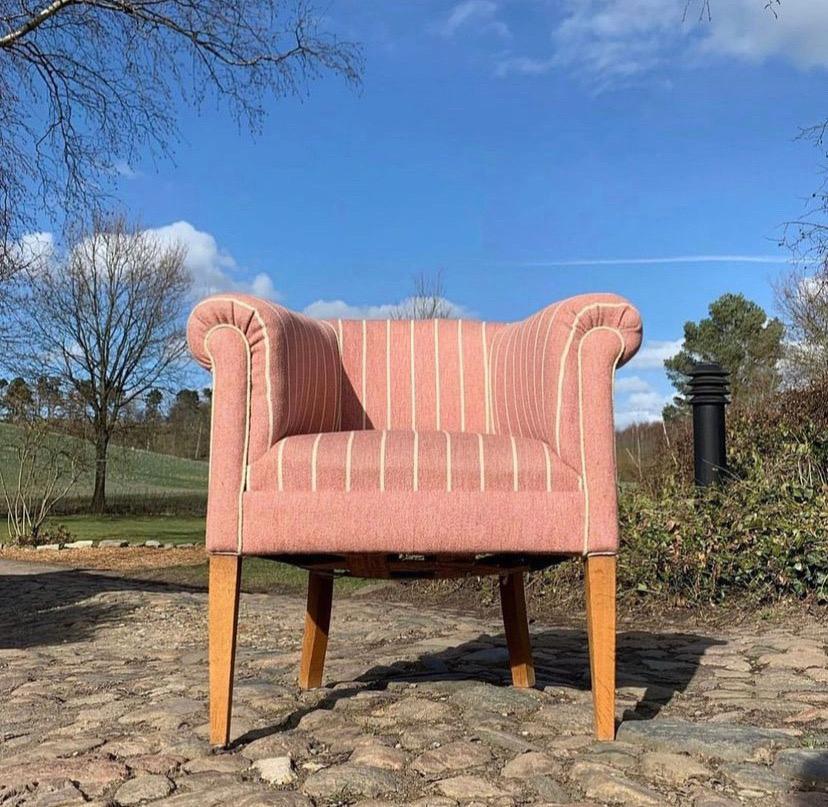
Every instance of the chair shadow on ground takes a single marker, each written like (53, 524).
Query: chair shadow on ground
(810, 781)
(652, 666)
(59, 606)
(655, 665)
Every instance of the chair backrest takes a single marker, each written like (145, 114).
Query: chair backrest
(416, 374)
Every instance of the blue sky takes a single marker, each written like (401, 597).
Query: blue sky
(522, 147)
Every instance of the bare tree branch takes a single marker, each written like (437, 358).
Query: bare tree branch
(428, 300)
(107, 321)
(87, 86)
(34, 21)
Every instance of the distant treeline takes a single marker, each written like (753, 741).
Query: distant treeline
(167, 422)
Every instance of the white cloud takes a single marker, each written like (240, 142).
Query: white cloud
(523, 65)
(637, 401)
(721, 258)
(797, 31)
(613, 40)
(618, 41)
(650, 401)
(125, 170)
(631, 383)
(339, 309)
(477, 15)
(33, 249)
(653, 353)
(213, 269)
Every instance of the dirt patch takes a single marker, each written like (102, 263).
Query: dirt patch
(564, 604)
(128, 559)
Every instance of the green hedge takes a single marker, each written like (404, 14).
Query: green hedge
(133, 504)
(757, 538)
(763, 535)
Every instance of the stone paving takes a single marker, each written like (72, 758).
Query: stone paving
(103, 701)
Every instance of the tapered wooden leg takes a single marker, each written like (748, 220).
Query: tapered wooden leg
(513, 604)
(600, 601)
(317, 622)
(225, 575)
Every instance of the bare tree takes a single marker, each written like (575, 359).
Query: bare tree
(807, 235)
(107, 321)
(427, 300)
(802, 299)
(705, 12)
(85, 85)
(45, 469)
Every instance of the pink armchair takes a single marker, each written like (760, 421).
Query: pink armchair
(386, 447)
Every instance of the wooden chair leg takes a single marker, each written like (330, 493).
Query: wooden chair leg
(600, 602)
(317, 622)
(225, 575)
(513, 604)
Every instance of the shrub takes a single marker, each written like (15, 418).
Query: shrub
(762, 535)
(141, 504)
(756, 538)
(134, 504)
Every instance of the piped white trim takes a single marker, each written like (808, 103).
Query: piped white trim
(487, 392)
(382, 460)
(437, 373)
(268, 394)
(562, 367)
(349, 447)
(413, 385)
(246, 446)
(279, 470)
(584, 475)
(314, 453)
(548, 468)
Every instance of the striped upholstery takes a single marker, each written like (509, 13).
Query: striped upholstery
(406, 374)
(354, 461)
(295, 371)
(447, 435)
(536, 366)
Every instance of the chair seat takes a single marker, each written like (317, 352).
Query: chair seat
(407, 491)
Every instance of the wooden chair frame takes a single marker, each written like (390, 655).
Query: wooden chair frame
(225, 577)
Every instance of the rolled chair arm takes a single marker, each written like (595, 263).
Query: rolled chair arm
(552, 379)
(275, 373)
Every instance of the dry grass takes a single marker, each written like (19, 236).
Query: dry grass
(130, 559)
(185, 567)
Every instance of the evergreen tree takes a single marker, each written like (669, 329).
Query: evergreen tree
(739, 335)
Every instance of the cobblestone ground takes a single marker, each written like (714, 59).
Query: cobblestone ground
(103, 700)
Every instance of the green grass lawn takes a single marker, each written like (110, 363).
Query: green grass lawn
(258, 575)
(130, 471)
(174, 529)
(133, 472)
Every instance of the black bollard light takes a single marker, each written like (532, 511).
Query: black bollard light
(708, 397)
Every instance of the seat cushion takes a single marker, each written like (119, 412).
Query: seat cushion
(407, 491)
